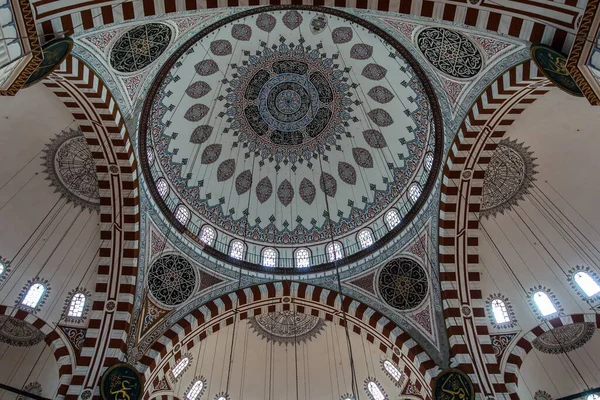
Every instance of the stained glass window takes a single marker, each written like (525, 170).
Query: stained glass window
(182, 214)
(365, 238)
(269, 258)
(195, 391)
(392, 218)
(334, 251)
(162, 187)
(181, 366)
(34, 295)
(237, 250)
(77, 305)
(414, 192)
(375, 391)
(208, 235)
(544, 304)
(392, 370)
(302, 258)
(586, 283)
(500, 311)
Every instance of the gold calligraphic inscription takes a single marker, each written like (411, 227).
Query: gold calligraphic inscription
(452, 384)
(121, 382)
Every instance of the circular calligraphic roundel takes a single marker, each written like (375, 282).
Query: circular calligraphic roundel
(453, 384)
(171, 280)
(121, 381)
(554, 65)
(264, 120)
(403, 283)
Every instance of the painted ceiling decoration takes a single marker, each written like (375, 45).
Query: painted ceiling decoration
(16, 332)
(286, 327)
(403, 284)
(565, 338)
(171, 280)
(287, 122)
(139, 47)
(509, 177)
(71, 169)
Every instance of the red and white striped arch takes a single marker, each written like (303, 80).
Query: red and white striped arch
(468, 158)
(101, 122)
(302, 297)
(548, 21)
(61, 347)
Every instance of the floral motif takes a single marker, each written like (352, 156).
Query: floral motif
(221, 47)
(285, 193)
(196, 112)
(266, 22)
(542, 395)
(566, 338)
(292, 19)
(241, 32)
(374, 72)
(374, 138)
(243, 182)
(380, 94)
(318, 23)
(201, 134)
(361, 51)
(500, 343)
(16, 332)
(347, 173)
(206, 67)
(211, 153)
(362, 157)
(198, 89)
(32, 387)
(75, 335)
(423, 318)
(380, 117)
(226, 170)
(342, 34)
(328, 184)
(307, 191)
(264, 189)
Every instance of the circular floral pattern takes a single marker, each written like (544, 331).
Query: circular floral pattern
(566, 338)
(509, 176)
(16, 332)
(450, 52)
(140, 47)
(285, 327)
(403, 284)
(171, 280)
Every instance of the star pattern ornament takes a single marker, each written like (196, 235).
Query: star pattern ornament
(139, 47)
(171, 280)
(403, 284)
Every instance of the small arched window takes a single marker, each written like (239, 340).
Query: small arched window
(34, 295)
(392, 218)
(302, 258)
(182, 214)
(269, 257)
(335, 251)
(2, 268)
(195, 390)
(163, 187)
(392, 370)
(365, 238)
(544, 304)
(586, 283)
(428, 161)
(150, 155)
(500, 312)
(414, 192)
(237, 250)
(593, 396)
(180, 367)
(375, 391)
(208, 235)
(77, 305)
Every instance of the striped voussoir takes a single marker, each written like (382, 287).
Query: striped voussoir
(461, 191)
(301, 297)
(99, 118)
(524, 345)
(546, 21)
(60, 346)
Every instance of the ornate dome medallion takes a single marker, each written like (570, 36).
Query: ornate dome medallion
(403, 284)
(139, 47)
(285, 327)
(16, 332)
(171, 280)
(565, 338)
(282, 118)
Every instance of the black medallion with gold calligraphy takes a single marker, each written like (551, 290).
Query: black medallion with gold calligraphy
(54, 53)
(554, 66)
(121, 382)
(452, 384)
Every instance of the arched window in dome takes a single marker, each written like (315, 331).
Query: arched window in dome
(375, 391)
(302, 258)
(2, 268)
(269, 257)
(544, 304)
(33, 295)
(428, 161)
(365, 238)
(77, 305)
(335, 251)
(195, 391)
(182, 214)
(237, 250)
(150, 155)
(593, 396)
(414, 192)
(392, 218)
(208, 235)
(163, 187)
(180, 367)
(586, 283)
(500, 312)
(392, 370)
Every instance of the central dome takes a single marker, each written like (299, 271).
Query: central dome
(287, 126)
